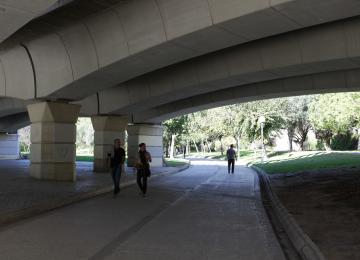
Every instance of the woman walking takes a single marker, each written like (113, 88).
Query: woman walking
(143, 168)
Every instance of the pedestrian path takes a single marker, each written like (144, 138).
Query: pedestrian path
(22, 196)
(200, 213)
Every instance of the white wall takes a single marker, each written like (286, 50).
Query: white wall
(9, 146)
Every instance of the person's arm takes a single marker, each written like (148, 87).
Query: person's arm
(123, 156)
(148, 157)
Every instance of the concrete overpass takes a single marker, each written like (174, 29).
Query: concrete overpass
(142, 61)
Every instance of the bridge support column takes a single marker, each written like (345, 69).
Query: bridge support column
(152, 136)
(9, 146)
(107, 129)
(53, 137)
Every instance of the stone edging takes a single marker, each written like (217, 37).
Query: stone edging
(52, 205)
(305, 247)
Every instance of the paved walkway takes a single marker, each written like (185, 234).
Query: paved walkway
(22, 196)
(200, 213)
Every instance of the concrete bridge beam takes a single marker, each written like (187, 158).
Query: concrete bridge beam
(53, 137)
(107, 128)
(152, 136)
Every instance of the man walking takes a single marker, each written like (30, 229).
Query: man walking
(117, 162)
(231, 156)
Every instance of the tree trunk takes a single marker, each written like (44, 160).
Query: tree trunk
(197, 149)
(208, 146)
(238, 145)
(221, 147)
(172, 146)
(187, 147)
(167, 150)
(290, 132)
(327, 144)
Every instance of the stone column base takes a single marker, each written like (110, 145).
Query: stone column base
(107, 129)
(152, 136)
(53, 137)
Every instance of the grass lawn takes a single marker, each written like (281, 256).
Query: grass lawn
(218, 156)
(175, 162)
(84, 158)
(301, 161)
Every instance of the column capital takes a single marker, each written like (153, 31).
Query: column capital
(145, 129)
(109, 123)
(53, 112)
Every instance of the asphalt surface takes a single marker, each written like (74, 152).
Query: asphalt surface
(200, 213)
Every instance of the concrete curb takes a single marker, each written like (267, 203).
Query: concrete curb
(55, 204)
(305, 247)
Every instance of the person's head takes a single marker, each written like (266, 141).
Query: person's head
(142, 147)
(117, 143)
(231, 146)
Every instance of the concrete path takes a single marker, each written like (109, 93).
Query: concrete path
(21, 195)
(200, 213)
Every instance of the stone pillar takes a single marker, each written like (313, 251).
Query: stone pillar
(107, 128)
(152, 135)
(9, 146)
(53, 137)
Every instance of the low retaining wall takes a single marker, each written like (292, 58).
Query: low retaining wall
(306, 248)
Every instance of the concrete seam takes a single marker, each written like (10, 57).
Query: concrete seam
(284, 15)
(123, 29)
(32, 66)
(162, 19)
(210, 13)
(98, 102)
(3, 72)
(347, 80)
(93, 42)
(67, 53)
(297, 236)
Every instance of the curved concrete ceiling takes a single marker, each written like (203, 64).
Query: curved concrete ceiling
(73, 52)
(325, 48)
(339, 81)
(16, 13)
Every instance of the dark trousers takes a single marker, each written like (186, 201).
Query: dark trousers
(116, 174)
(141, 180)
(231, 162)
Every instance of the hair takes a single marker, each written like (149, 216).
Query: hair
(231, 145)
(141, 145)
(117, 140)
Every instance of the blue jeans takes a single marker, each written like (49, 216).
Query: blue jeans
(116, 174)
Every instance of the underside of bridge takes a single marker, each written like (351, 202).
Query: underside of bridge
(130, 64)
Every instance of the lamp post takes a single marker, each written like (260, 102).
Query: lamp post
(263, 153)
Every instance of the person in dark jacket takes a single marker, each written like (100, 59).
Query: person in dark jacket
(118, 160)
(231, 156)
(143, 168)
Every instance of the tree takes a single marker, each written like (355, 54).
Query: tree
(173, 128)
(297, 123)
(333, 114)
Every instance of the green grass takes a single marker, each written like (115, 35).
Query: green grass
(84, 158)
(302, 161)
(218, 156)
(175, 162)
